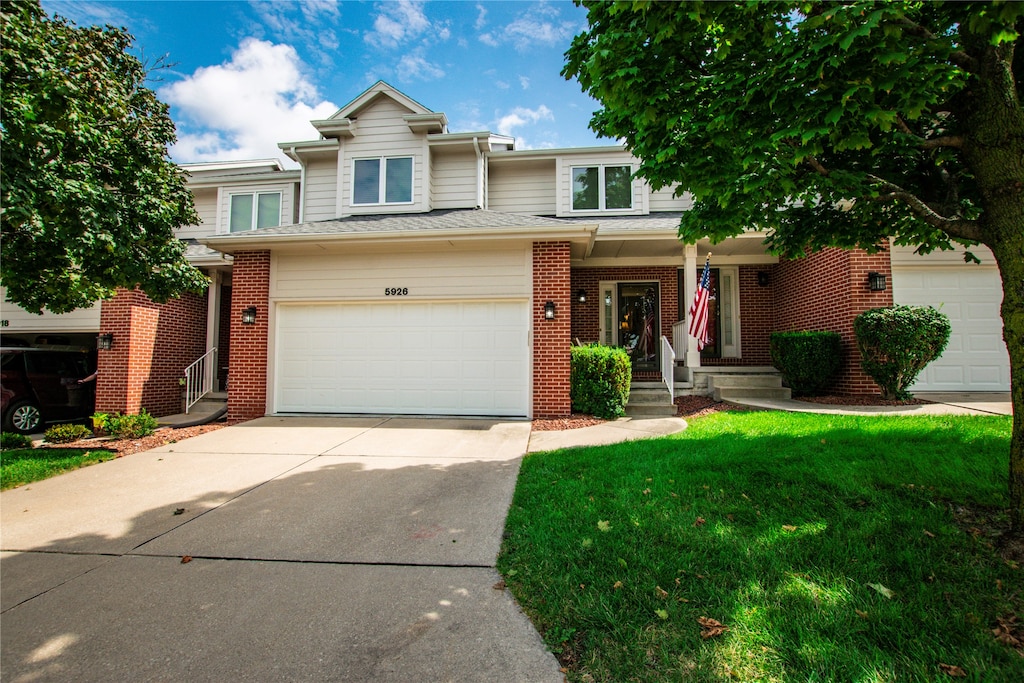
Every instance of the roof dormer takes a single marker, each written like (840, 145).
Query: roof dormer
(343, 123)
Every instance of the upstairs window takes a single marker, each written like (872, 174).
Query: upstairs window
(602, 188)
(255, 210)
(384, 180)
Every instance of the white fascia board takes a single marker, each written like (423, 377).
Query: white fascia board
(289, 176)
(512, 155)
(229, 244)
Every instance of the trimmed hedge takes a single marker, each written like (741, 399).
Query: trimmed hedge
(66, 433)
(897, 343)
(808, 360)
(599, 380)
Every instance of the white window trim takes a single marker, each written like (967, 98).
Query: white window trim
(601, 198)
(382, 181)
(731, 350)
(255, 194)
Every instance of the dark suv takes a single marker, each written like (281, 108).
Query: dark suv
(42, 385)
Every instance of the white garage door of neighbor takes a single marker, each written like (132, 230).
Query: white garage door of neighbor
(409, 358)
(976, 357)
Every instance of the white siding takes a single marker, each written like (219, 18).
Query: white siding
(382, 132)
(525, 187)
(321, 190)
(453, 180)
(662, 200)
(447, 274)
(17, 319)
(206, 206)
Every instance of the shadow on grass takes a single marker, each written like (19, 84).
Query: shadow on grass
(828, 547)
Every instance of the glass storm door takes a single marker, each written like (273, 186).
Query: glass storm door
(639, 325)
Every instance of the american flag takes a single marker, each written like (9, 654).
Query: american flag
(699, 308)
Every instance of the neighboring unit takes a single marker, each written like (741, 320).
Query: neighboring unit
(407, 269)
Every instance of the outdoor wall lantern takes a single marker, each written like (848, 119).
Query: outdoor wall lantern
(549, 310)
(763, 279)
(876, 282)
(581, 296)
(249, 315)
(105, 341)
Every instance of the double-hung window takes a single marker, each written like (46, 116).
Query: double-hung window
(383, 180)
(602, 188)
(254, 210)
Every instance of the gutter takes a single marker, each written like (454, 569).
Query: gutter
(479, 173)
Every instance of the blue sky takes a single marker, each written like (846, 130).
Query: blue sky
(247, 75)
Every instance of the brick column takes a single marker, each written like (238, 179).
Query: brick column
(551, 338)
(247, 370)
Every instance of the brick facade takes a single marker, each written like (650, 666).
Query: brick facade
(551, 338)
(586, 319)
(825, 291)
(247, 373)
(153, 344)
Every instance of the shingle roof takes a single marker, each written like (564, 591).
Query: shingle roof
(667, 221)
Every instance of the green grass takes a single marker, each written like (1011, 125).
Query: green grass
(776, 525)
(26, 465)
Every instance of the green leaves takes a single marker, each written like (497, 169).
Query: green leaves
(90, 199)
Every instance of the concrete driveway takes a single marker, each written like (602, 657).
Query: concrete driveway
(322, 549)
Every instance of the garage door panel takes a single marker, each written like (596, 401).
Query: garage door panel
(975, 358)
(456, 358)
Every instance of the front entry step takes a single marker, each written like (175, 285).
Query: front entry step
(649, 399)
(730, 387)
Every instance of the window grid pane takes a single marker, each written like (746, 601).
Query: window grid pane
(268, 210)
(366, 183)
(241, 213)
(618, 190)
(398, 187)
(585, 188)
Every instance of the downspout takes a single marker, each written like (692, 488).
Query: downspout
(479, 173)
(302, 184)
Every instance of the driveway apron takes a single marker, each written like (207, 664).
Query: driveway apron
(327, 549)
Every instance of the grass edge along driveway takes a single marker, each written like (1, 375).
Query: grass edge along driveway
(827, 548)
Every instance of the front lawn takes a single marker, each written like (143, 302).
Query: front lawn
(830, 548)
(26, 465)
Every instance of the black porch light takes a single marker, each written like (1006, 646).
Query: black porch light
(105, 341)
(549, 310)
(249, 315)
(876, 282)
(763, 279)
(581, 296)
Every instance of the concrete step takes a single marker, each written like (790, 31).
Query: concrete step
(649, 396)
(650, 410)
(744, 381)
(739, 393)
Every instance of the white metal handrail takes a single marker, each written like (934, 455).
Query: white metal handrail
(199, 378)
(668, 366)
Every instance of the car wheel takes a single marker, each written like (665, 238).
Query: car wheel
(23, 417)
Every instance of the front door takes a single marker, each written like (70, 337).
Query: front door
(639, 323)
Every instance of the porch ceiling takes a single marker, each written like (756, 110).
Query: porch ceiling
(746, 248)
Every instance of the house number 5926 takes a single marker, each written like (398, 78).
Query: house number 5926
(396, 291)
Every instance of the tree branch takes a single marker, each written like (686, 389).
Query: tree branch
(955, 227)
(816, 165)
(953, 141)
(958, 57)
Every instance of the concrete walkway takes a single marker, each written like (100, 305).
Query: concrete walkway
(963, 403)
(321, 549)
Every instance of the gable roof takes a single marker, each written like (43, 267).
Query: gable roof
(419, 118)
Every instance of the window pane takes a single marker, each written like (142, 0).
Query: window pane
(398, 186)
(618, 190)
(268, 210)
(241, 212)
(366, 184)
(584, 188)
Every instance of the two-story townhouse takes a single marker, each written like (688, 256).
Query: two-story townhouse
(407, 269)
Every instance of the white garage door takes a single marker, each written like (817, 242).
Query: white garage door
(411, 358)
(976, 357)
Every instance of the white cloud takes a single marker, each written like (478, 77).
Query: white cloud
(397, 22)
(307, 23)
(414, 66)
(539, 25)
(488, 39)
(242, 108)
(524, 82)
(521, 116)
(481, 17)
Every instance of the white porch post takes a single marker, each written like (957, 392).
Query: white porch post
(212, 323)
(692, 357)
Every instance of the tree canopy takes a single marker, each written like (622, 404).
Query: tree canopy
(90, 198)
(827, 124)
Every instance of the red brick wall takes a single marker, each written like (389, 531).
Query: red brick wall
(826, 291)
(755, 309)
(247, 374)
(586, 318)
(551, 338)
(153, 344)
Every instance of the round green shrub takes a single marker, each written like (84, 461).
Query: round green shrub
(808, 360)
(66, 433)
(131, 426)
(12, 440)
(896, 344)
(599, 380)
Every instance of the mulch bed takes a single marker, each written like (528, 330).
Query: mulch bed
(123, 447)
